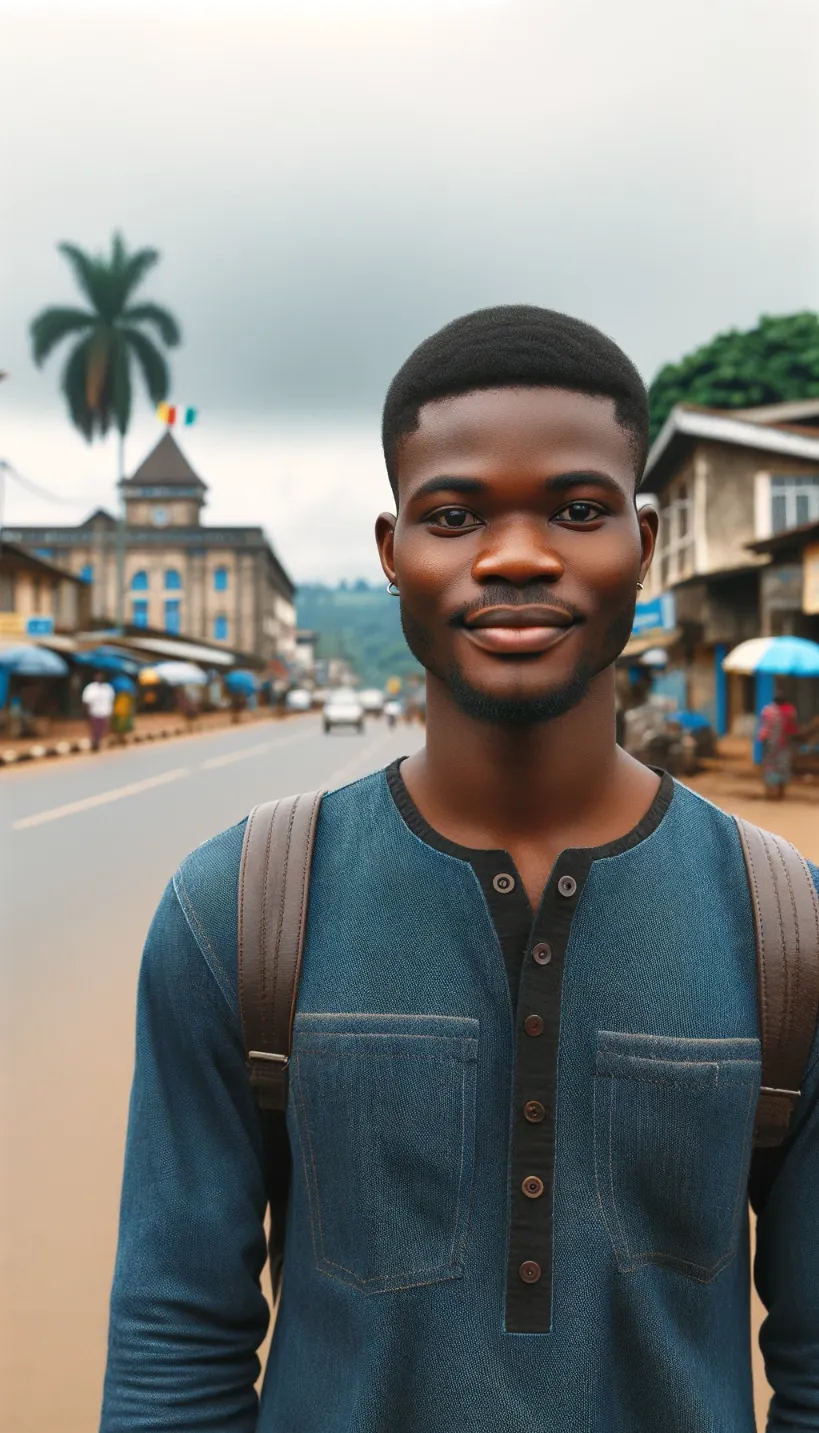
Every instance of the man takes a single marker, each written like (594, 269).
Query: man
(525, 1056)
(98, 699)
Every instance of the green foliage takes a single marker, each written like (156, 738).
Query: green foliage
(96, 378)
(775, 362)
(361, 623)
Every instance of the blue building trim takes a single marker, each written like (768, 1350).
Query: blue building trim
(720, 690)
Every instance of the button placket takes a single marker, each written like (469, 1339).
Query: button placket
(529, 1295)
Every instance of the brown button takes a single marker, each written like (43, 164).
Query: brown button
(532, 1186)
(529, 1271)
(533, 1024)
(542, 954)
(503, 883)
(567, 885)
(534, 1112)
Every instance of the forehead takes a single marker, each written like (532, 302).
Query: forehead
(539, 430)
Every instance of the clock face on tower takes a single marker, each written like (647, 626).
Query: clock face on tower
(160, 517)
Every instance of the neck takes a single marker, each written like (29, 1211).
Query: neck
(514, 783)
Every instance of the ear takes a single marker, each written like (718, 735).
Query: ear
(385, 541)
(649, 522)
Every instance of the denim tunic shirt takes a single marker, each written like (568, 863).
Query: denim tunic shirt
(404, 1107)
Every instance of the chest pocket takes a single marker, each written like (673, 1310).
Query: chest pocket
(385, 1116)
(673, 1128)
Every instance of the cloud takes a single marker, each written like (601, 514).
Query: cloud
(329, 183)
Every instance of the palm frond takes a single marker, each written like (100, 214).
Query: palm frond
(151, 361)
(73, 384)
(53, 325)
(163, 321)
(90, 274)
(135, 268)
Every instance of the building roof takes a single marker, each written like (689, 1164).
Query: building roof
(687, 425)
(799, 410)
(792, 537)
(36, 564)
(165, 466)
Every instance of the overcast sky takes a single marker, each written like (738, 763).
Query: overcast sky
(330, 182)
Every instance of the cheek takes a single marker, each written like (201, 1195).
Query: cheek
(606, 566)
(426, 565)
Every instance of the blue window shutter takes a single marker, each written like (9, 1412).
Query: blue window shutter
(173, 582)
(139, 582)
(220, 579)
(172, 614)
(87, 573)
(220, 629)
(140, 612)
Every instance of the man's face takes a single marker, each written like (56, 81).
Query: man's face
(517, 548)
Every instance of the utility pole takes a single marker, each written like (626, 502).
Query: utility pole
(121, 537)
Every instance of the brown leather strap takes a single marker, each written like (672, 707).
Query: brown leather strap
(274, 881)
(786, 919)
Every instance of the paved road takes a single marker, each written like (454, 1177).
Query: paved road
(86, 847)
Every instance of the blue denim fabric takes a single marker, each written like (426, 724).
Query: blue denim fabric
(399, 1115)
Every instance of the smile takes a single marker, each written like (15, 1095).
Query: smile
(518, 630)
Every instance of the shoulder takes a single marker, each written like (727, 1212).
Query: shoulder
(206, 885)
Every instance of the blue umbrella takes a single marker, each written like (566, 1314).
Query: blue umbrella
(30, 661)
(775, 656)
(105, 659)
(123, 684)
(241, 681)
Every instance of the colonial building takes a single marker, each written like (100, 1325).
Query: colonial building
(728, 485)
(37, 598)
(218, 584)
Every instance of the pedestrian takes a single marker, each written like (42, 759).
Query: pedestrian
(526, 1051)
(98, 699)
(122, 718)
(778, 727)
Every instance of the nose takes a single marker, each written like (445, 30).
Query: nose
(517, 551)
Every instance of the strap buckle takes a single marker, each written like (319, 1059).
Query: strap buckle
(268, 1077)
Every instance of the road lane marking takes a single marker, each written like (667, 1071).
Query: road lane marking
(339, 777)
(118, 793)
(231, 756)
(258, 750)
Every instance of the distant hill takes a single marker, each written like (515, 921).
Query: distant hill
(359, 622)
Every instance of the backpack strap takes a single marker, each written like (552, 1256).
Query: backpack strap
(786, 922)
(274, 878)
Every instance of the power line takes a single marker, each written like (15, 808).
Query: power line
(35, 488)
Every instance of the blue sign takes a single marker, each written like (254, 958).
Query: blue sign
(660, 614)
(40, 626)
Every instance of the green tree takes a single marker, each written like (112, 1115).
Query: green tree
(111, 336)
(96, 379)
(772, 363)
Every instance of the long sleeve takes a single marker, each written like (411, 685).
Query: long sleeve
(786, 1270)
(187, 1311)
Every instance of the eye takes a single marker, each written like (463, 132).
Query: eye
(580, 513)
(453, 519)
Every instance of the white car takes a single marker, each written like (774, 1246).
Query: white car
(372, 701)
(343, 708)
(298, 700)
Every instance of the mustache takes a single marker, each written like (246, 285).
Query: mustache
(533, 596)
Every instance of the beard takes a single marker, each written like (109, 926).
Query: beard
(520, 711)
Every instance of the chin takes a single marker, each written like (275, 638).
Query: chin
(521, 705)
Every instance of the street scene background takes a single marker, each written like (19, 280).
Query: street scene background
(223, 228)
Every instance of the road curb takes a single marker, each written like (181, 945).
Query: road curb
(40, 751)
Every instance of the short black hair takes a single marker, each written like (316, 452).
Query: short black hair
(514, 346)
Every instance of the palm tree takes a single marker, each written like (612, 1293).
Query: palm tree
(96, 378)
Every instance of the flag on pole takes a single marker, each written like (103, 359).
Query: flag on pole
(191, 415)
(162, 412)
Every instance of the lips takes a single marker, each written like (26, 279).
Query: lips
(518, 630)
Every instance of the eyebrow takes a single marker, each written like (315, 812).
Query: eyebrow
(560, 483)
